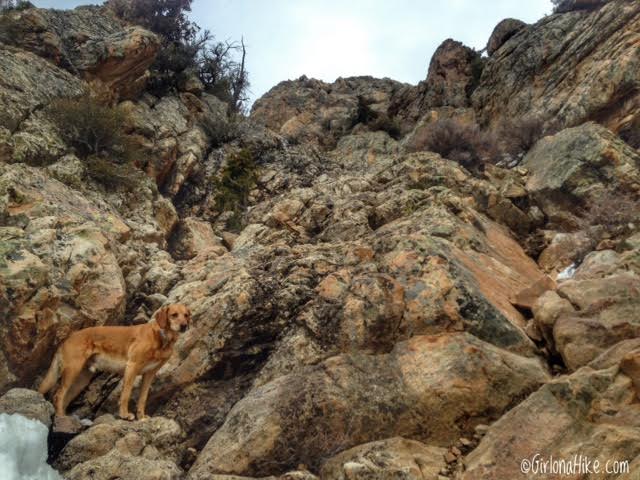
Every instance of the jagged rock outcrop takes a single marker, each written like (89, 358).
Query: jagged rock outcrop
(86, 40)
(502, 32)
(454, 72)
(309, 110)
(171, 135)
(564, 70)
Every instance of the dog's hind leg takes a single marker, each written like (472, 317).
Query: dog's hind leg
(80, 383)
(73, 366)
(52, 375)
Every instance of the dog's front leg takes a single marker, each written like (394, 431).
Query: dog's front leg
(147, 378)
(130, 373)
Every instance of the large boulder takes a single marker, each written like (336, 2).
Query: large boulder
(567, 68)
(593, 310)
(591, 415)
(121, 449)
(431, 387)
(571, 172)
(502, 32)
(192, 237)
(27, 403)
(119, 61)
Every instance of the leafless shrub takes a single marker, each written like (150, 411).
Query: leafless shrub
(89, 127)
(519, 135)
(616, 213)
(461, 142)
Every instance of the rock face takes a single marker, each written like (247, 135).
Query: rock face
(571, 172)
(313, 111)
(87, 40)
(506, 29)
(452, 75)
(169, 133)
(454, 72)
(590, 413)
(364, 397)
(571, 5)
(29, 82)
(360, 309)
(58, 268)
(562, 69)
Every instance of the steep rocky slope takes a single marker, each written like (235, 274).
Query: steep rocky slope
(370, 311)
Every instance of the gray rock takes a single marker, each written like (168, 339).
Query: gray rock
(502, 32)
(573, 169)
(554, 70)
(27, 403)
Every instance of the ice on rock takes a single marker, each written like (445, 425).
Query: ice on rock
(567, 273)
(23, 449)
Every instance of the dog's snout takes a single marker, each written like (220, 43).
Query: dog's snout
(183, 328)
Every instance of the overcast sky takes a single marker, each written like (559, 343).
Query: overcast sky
(327, 39)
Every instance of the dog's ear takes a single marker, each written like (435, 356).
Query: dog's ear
(162, 317)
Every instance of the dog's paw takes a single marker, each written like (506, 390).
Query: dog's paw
(128, 416)
(142, 418)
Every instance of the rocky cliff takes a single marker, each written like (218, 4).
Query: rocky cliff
(367, 308)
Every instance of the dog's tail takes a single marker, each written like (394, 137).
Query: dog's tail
(51, 378)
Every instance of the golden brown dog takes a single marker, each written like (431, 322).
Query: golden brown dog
(131, 351)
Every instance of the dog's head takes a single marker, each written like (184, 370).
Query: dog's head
(175, 317)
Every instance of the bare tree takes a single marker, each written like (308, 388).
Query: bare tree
(222, 74)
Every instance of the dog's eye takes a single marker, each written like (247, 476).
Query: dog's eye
(174, 315)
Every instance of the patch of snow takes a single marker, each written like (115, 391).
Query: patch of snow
(567, 273)
(86, 422)
(23, 449)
